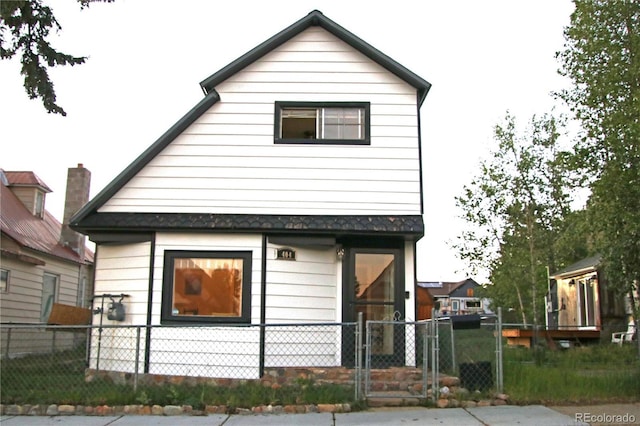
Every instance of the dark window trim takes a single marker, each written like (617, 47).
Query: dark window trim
(167, 316)
(6, 284)
(287, 104)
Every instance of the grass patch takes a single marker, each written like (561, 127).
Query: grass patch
(590, 374)
(59, 379)
(246, 395)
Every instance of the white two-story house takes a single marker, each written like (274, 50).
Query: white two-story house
(289, 192)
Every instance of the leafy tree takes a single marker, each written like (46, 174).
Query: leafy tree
(602, 57)
(24, 28)
(517, 205)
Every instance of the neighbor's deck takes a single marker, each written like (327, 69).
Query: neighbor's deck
(523, 337)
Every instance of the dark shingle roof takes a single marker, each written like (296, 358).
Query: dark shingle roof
(446, 288)
(580, 266)
(141, 222)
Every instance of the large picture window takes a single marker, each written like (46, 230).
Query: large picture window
(322, 123)
(206, 287)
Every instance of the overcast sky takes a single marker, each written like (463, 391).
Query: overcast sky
(147, 57)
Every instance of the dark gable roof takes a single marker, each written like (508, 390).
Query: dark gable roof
(315, 18)
(581, 266)
(448, 288)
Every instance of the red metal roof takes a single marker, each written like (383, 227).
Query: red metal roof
(26, 179)
(29, 231)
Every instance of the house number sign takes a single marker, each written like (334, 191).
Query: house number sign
(285, 254)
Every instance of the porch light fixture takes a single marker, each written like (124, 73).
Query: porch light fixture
(340, 252)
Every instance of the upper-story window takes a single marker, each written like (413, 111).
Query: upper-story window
(39, 207)
(322, 123)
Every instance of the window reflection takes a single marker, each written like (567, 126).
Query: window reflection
(207, 287)
(374, 277)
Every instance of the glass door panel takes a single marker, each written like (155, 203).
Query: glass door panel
(374, 287)
(374, 278)
(381, 334)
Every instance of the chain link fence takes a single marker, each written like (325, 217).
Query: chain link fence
(93, 364)
(470, 348)
(397, 359)
(86, 364)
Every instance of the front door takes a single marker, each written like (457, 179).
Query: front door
(374, 285)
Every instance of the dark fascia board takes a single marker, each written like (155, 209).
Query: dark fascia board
(121, 237)
(312, 241)
(317, 18)
(144, 158)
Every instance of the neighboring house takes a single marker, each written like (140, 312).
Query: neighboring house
(455, 298)
(292, 189)
(581, 300)
(42, 262)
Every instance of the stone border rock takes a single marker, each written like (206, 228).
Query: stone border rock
(167, 410)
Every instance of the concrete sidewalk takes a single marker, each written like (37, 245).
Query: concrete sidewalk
(533, 415)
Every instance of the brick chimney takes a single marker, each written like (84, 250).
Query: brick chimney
(78, 184)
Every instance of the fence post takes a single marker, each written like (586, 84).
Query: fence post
(435, 358)
(454, 369)
(358, 374)
(8, 342)
(424, 329)
(135, 376)
(499, 370)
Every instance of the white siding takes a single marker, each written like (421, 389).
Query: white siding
(123, 269)
(300, 291)
(22, 303)
(227, 162)
(303, 290)
(193, 351)
(225, 352)
(120, 269)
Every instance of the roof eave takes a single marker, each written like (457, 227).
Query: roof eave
(410, 227)
(574, 273)
(201, 107)
(583, 266)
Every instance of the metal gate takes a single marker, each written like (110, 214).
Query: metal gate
(400, 359)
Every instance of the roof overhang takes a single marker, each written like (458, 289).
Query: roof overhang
(409, 227)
